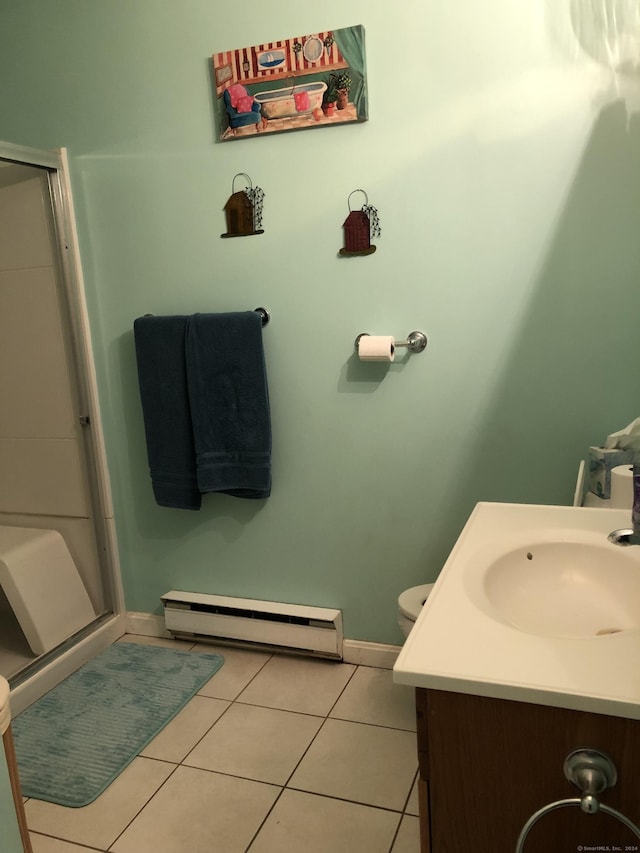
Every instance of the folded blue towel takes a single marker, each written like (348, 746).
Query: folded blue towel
(162, 377)
(205, 403)
(229, 402)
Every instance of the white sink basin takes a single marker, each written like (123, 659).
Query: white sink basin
(586, 588)
(534, 604)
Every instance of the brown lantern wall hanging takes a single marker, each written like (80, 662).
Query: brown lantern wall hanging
(360, 227)
(243, 210)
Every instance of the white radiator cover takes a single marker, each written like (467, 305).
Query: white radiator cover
(294, 628)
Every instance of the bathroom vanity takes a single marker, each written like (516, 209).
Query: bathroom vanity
(527, 649)
(487, 764)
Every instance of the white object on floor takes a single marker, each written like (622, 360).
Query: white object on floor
(5, 710)
(43, 586)
(21, 829)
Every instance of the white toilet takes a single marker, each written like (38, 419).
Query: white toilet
(410, 604)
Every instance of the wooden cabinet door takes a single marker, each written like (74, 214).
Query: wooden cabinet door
(491, 763)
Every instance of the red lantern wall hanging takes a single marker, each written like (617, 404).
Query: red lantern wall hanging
(243, 210)
(360, 227)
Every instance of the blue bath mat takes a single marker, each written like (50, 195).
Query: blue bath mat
(74, 741)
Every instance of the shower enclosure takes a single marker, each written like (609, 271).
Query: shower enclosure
(53, 473)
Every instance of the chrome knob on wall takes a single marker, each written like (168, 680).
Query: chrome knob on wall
(592, 772)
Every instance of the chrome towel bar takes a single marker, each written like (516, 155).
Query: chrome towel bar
(264, 315)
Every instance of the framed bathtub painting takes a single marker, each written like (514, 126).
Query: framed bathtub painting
(299, 83)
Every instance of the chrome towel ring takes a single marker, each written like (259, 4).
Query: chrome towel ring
(593, 772)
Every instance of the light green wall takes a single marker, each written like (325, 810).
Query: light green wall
(9, 830)
(506, 173)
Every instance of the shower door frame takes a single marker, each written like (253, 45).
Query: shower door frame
(50, 669)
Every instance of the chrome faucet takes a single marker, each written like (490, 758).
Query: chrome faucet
(630, 535)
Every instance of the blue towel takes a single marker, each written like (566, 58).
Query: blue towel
(160, 353)
(229, 402)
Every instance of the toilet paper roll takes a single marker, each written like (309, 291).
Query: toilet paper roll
(621, 487)
(621, 493)
(621, 490)
(376, 348)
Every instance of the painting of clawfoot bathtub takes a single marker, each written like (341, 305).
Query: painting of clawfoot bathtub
(297, 83)
(291, 100)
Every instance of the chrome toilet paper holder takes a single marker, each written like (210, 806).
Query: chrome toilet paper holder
(415, 341)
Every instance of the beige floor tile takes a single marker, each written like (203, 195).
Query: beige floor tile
(239, 668)
(44, 844)
(364, 763)
(100, 823)
(408, 838)
(197, 810)
(305, 822)
(372, 697)
(184, 731)
(364, 756)
(298, 684)
(258, 743)
(413, 806)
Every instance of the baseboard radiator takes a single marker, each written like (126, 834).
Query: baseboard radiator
(249, 623)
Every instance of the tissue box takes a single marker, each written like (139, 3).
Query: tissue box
(601, 461)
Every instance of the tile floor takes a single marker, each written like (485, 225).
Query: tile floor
(275, 754)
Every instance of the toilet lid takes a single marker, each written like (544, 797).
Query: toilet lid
(411, 600)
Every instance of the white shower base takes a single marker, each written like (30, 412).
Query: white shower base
(15, 653)
(51, 674)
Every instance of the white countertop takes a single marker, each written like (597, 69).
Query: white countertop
(460, 646)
